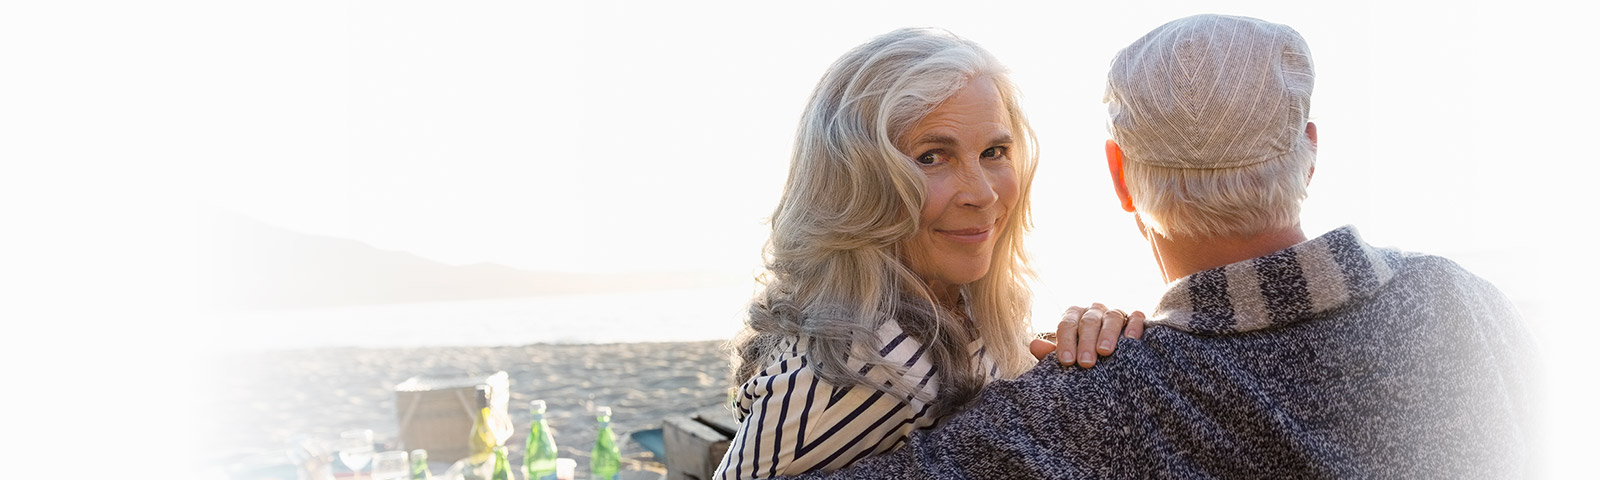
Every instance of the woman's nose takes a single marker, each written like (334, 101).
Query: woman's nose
(977, 187)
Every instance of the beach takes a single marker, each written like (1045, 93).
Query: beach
(261, 399)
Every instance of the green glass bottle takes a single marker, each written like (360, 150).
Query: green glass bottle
(539, 457)
(502, 467)
(480, 442)
(605, 460)
(419, 465)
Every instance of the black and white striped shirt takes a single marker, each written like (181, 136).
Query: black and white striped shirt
(792, 422)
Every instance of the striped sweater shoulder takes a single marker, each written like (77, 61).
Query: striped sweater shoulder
(792, 422)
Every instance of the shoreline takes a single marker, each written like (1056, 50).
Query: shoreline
(259, 399)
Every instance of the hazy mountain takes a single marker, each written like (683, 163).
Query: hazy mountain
(245, 264)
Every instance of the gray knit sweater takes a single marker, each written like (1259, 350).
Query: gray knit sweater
(1331, 359)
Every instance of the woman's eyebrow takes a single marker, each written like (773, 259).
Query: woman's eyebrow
(998, 138)
(935, 138)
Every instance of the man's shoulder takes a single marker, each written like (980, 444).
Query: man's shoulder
(1423, 266)
(1441, 279)
(1083, 393)
(1102, 415)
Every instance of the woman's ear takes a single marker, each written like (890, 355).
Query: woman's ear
(1114, 161)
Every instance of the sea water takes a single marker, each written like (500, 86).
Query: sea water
(647, 316)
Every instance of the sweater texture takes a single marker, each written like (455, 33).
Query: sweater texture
(1330, 359)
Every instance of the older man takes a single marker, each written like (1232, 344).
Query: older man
(1270, 355)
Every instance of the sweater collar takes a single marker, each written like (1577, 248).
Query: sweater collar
(1285, 287)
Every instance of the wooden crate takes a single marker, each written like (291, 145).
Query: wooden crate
(696, 443)
(436, 413)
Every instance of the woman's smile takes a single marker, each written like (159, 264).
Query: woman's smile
(978, 234)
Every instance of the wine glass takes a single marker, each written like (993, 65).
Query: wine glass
(355, 449)
(391, 465)
(311, 458)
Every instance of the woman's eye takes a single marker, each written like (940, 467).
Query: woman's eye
(929, 158)
(994, 152)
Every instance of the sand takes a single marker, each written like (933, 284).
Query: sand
(261, 399)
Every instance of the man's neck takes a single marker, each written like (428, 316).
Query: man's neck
(1182, 256)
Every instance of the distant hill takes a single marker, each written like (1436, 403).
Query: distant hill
(246, 264)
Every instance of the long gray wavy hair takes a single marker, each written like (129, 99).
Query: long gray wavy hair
(836, 259)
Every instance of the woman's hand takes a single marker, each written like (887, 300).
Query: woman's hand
(1086, 334)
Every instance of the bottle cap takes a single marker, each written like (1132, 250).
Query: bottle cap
(603, 411)
(537, 406)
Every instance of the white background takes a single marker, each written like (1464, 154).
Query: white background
(654, 136)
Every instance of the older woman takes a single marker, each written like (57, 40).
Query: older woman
(895, 288)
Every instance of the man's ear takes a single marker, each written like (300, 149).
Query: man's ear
(1311, 133)
(1114, 161)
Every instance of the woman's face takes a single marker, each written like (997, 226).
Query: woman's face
(963, 148)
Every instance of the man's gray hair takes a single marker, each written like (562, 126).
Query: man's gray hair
(1210, 112)
(1204, 203)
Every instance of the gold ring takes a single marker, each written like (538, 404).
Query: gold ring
(1046, 336)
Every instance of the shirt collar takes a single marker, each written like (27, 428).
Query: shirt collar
(1285, 287)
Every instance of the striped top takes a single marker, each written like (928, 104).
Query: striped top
(792, 422)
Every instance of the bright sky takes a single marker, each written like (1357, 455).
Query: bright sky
(626, 136)
(655, 135)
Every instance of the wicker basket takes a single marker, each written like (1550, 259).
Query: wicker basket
(436, 413)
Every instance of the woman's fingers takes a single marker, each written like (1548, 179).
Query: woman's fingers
(1135, 325)
(1089, 333)
(1039, 348)
(1067, 336)
(1086, 334)
(1110, 331)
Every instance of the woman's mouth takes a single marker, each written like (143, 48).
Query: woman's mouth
(967, 235)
